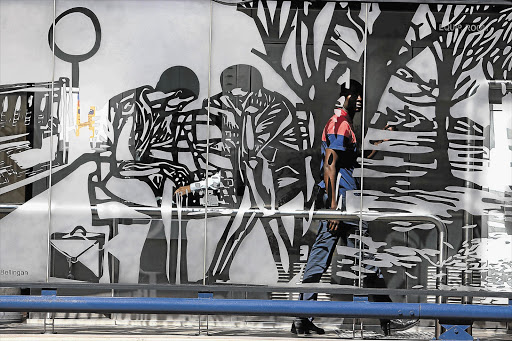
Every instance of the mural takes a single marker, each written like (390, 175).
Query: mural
(138, 140)
(439, 94)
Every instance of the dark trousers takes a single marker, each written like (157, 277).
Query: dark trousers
(321, 253)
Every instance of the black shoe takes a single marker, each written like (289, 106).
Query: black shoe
(298, 327)
(303, 326)
(397, 325)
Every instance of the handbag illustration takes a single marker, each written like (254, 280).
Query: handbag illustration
(77, 255)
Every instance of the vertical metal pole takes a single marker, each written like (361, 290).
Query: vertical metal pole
(49, 292)
(105, 256)
(205, 244)
(363, 113)
(205, 241)
(441, 276)
(361, 203)
(48, 247)
(115, 231)
(353, 328)
(204, 295)
(509, 323)
(467, 276)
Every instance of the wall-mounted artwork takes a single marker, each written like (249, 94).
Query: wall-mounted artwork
(122, 122)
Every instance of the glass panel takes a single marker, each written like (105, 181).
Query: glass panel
(276, 81)
(26, 138)
(496, 243)
(139, 74)
(440, 83)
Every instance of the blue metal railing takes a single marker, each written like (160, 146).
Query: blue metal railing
(201, 306)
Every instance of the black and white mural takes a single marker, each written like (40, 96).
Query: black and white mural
(141, 119)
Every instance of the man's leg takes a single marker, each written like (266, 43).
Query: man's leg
(319, 260)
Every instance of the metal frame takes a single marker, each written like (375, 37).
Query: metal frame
(437, 2)
(265, 307)
(454, 2)
(222, 288)
(200, 213)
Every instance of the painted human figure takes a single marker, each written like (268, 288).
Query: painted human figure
(260, 131)
(339, 160)
(148, 133)
(148, 125)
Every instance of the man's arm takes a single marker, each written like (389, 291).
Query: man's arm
(330, 176)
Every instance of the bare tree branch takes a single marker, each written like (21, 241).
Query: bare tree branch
(337, 72)
(468, 93)
(288, 28)
(277, 17)
(287, 74)
(268, 18)
(298, 48)
(251, 11)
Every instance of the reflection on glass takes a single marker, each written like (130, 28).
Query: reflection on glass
(28, 131)
(433, 87)
(30, 139)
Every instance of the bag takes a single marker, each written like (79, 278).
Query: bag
(77, 255)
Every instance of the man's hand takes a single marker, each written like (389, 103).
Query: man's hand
(333, 225)
(183, 190)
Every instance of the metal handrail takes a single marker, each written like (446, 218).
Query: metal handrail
(203, 306)
(199, 213)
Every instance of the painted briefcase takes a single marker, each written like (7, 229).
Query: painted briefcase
(77, 255)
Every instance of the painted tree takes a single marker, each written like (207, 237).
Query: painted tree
(314, 47)
(464, 56)
(446, 108)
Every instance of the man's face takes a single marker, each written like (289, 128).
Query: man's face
(353, 103)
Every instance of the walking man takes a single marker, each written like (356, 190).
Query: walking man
(339, 159)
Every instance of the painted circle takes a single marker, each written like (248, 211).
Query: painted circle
(72, 57)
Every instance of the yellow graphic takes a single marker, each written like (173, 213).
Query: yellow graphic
(89, 123)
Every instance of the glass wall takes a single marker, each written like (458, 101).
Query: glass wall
(207, 142)
(28, 137)
(437, 80)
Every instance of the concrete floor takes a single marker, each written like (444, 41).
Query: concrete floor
(90, 330)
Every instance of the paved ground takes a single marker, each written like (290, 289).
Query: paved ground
(65, 331)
